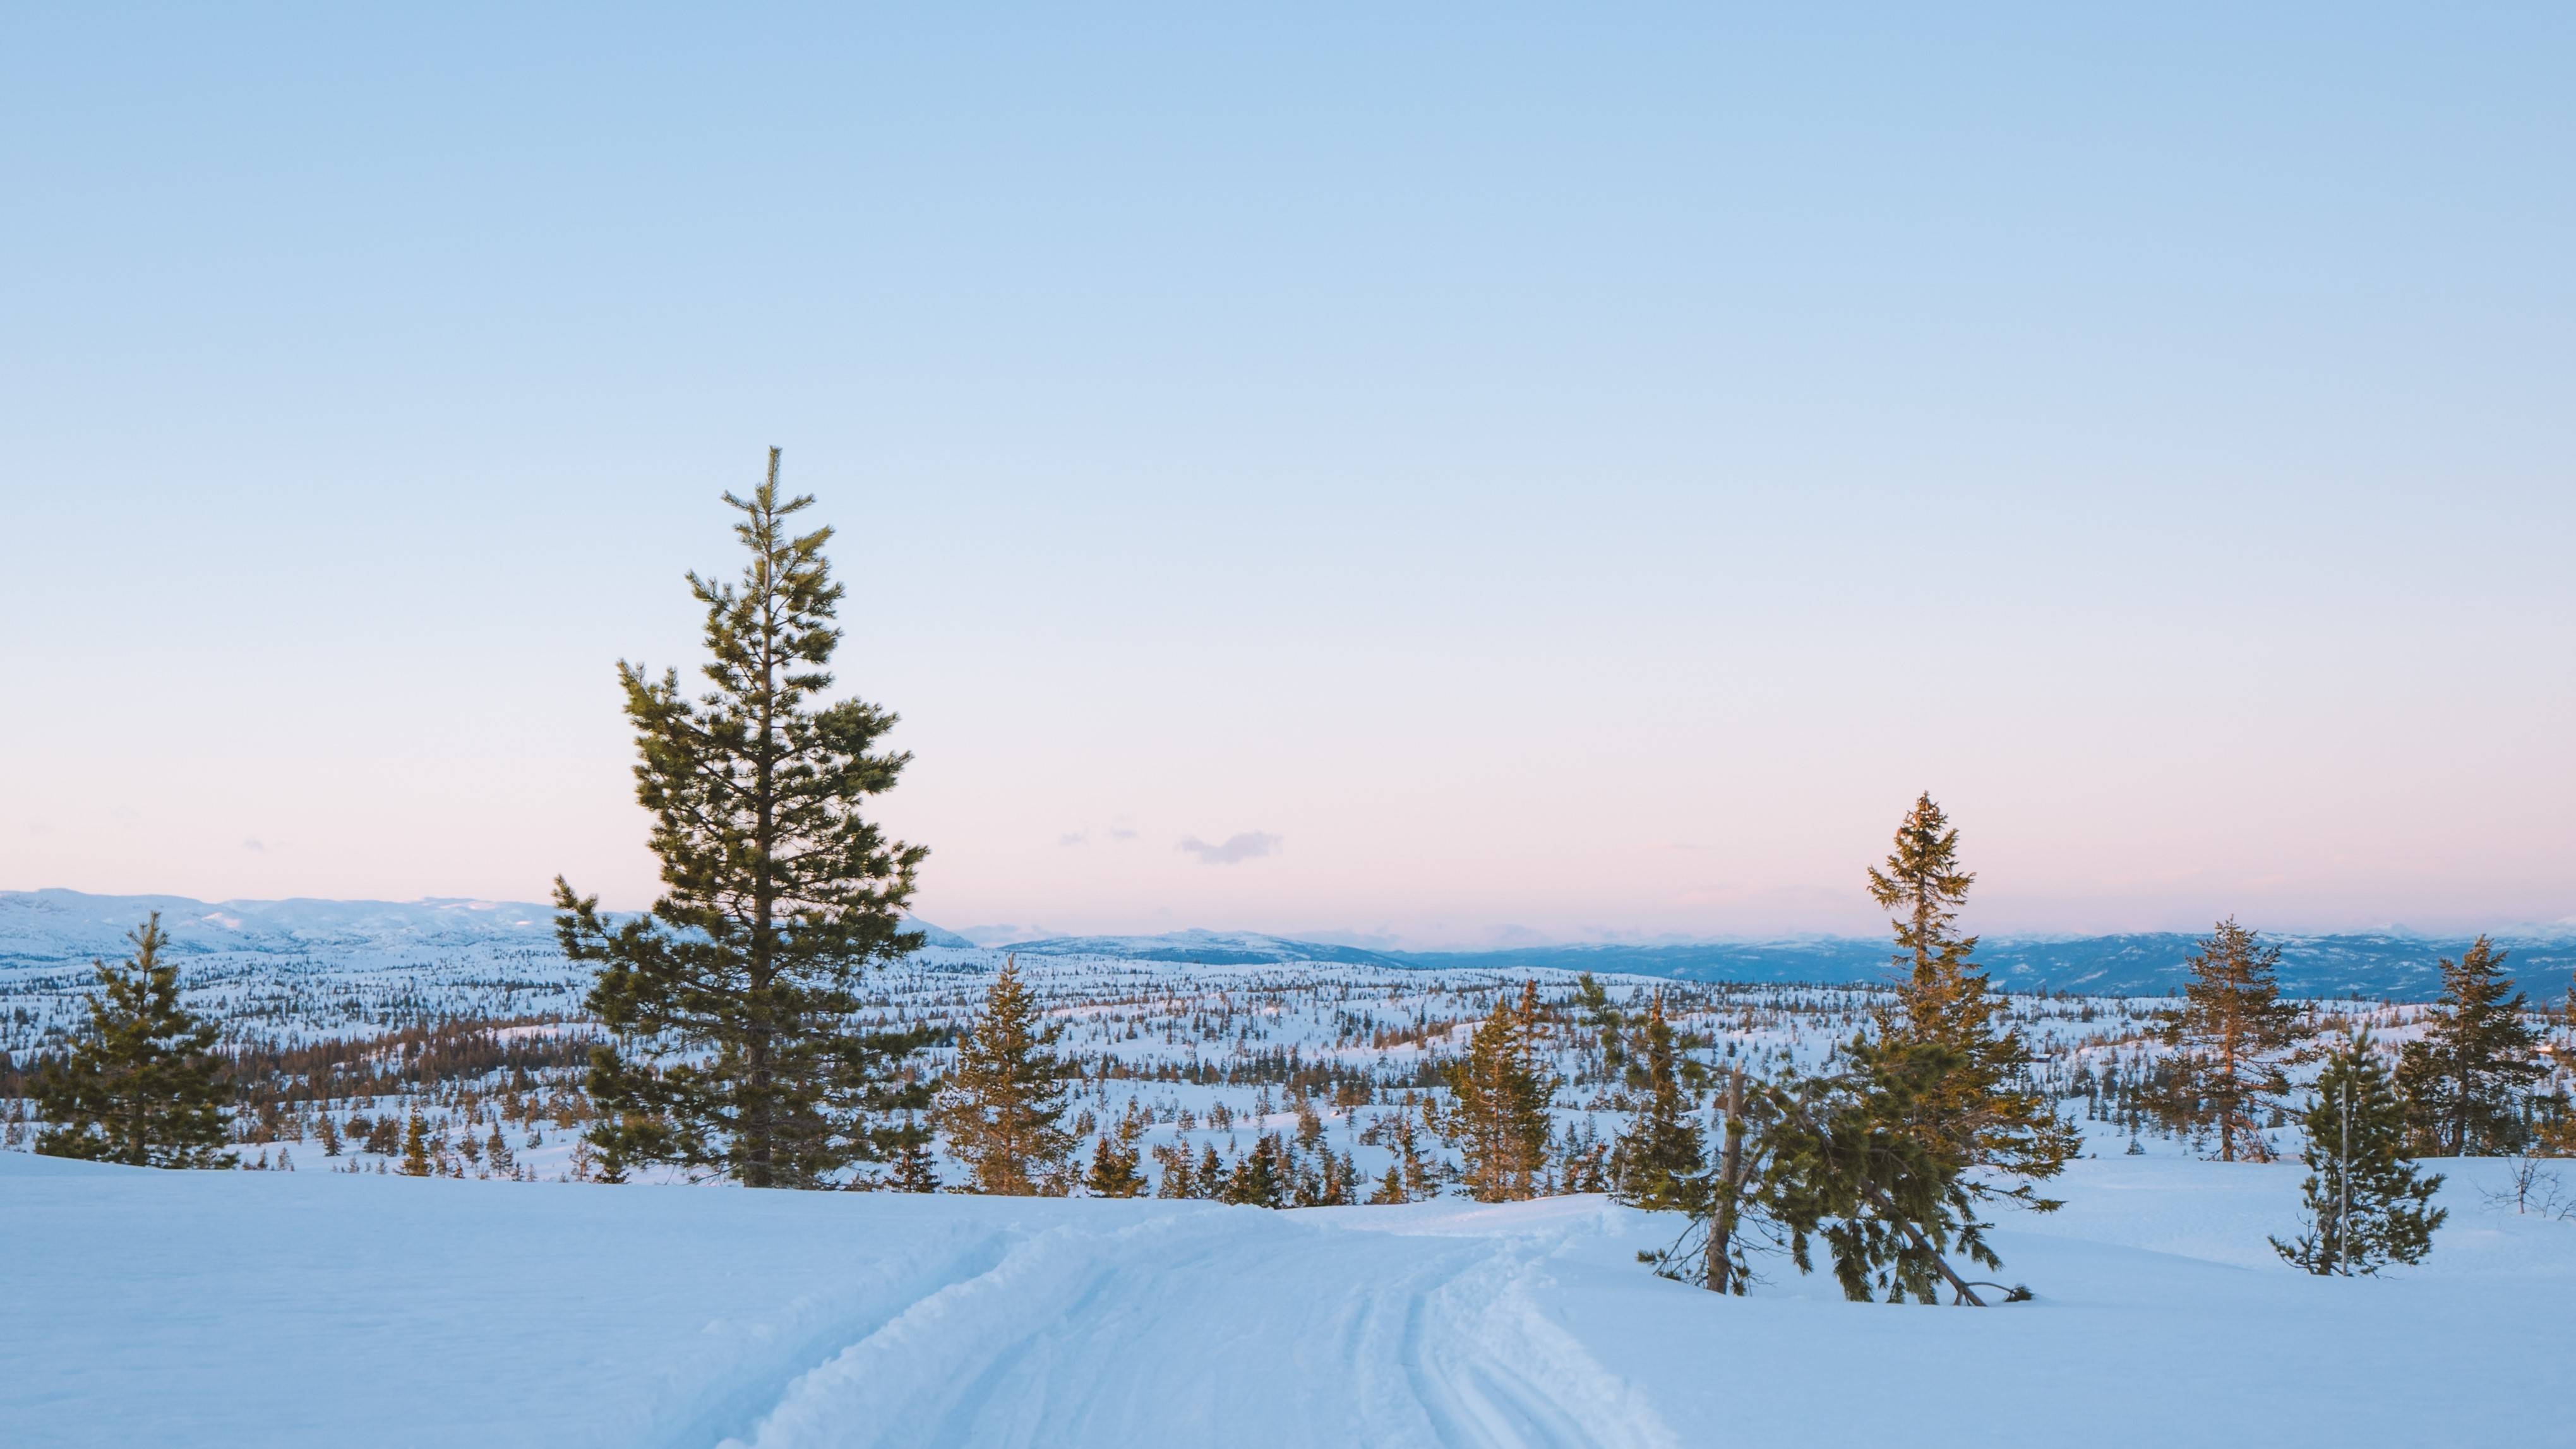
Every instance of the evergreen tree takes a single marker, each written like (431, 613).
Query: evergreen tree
(2464, 1079)
(1658, 1159)
(1113, 1167)
(1981, 1113)
(1848, 1165)
(2367, 1204)
(1261, 1176)
(914, 1169)
(1180, 1179)
(2233, 1032)
(1004, 1100)
(1609, 1024)
(732, 1003)
(138, 1085)
(1499, 1095)
(417, 1160)
(496, 1151)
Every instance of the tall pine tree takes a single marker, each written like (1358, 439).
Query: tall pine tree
(1002, 1105)
(1658, 1159)
(2464, 1079)
(139, 1083)
(1980, 1112)
(1499, 1096)
(736, 1044)
(2233, 1032)
(2367, 1205)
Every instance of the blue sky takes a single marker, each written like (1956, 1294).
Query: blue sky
(1436, 477)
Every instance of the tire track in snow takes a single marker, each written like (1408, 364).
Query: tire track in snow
(1222, 1325)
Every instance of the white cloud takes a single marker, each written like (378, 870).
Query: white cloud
(1250, 845)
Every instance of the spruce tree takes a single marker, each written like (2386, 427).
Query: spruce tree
(913, 1168)
(138, 1085)
(1848, 1165)
(416, 1161)
(1113, 1167)
(1002, 1104)
(2233, 1032)
(1980, 1117)
(1499, 1095)
(736, 1046)
(1658, 1159)
(2464, 1079)
(2367, 1205)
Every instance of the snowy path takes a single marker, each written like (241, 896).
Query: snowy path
(223, 1309)
(1279, 1330)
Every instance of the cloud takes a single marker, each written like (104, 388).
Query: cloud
(1077, 837)
(1121, 832)
(1250, 845)
(254, 847)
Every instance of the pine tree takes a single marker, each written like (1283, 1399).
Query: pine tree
(1658, 1159)
(1113, 1167)
(2233, 1032)
(732, 1004)
(330, 1132)
(1260, 1177)
(2367, 1204)
(1609, 1024)
(1003, 1102)
(139, 1083)
(1981, 1113)
(2463, 1080)
(496, 1151)
(1499, 1095)
(1848, 1165)
(416, 1155)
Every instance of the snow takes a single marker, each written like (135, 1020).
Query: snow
(218, 1309)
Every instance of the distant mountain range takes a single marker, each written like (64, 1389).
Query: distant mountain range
(2143, 964)
(51, 927)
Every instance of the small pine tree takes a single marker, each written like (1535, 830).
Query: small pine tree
(1658, 1159)
(1498, 1116)
(139, 1083)
(416, 1155)
(1261, 1177)
(1113, 1167)
(1609, 1024)
(2464, 1079)
(1179, 1177)
(496, 1151)
(914, 1169)
(330, 1132)
(2232, 1032)
(2366, 1203)
(1002, 1104)
(1389, 1189)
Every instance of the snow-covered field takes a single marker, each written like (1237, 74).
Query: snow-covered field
(338, 1303)
(315, 1308)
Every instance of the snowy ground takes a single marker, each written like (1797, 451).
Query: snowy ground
(317, 1308)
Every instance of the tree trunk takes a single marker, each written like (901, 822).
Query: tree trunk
(1730, 1186)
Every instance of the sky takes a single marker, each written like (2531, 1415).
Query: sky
(1460, 476)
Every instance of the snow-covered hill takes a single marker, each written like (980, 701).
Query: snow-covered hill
(272, 1309)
